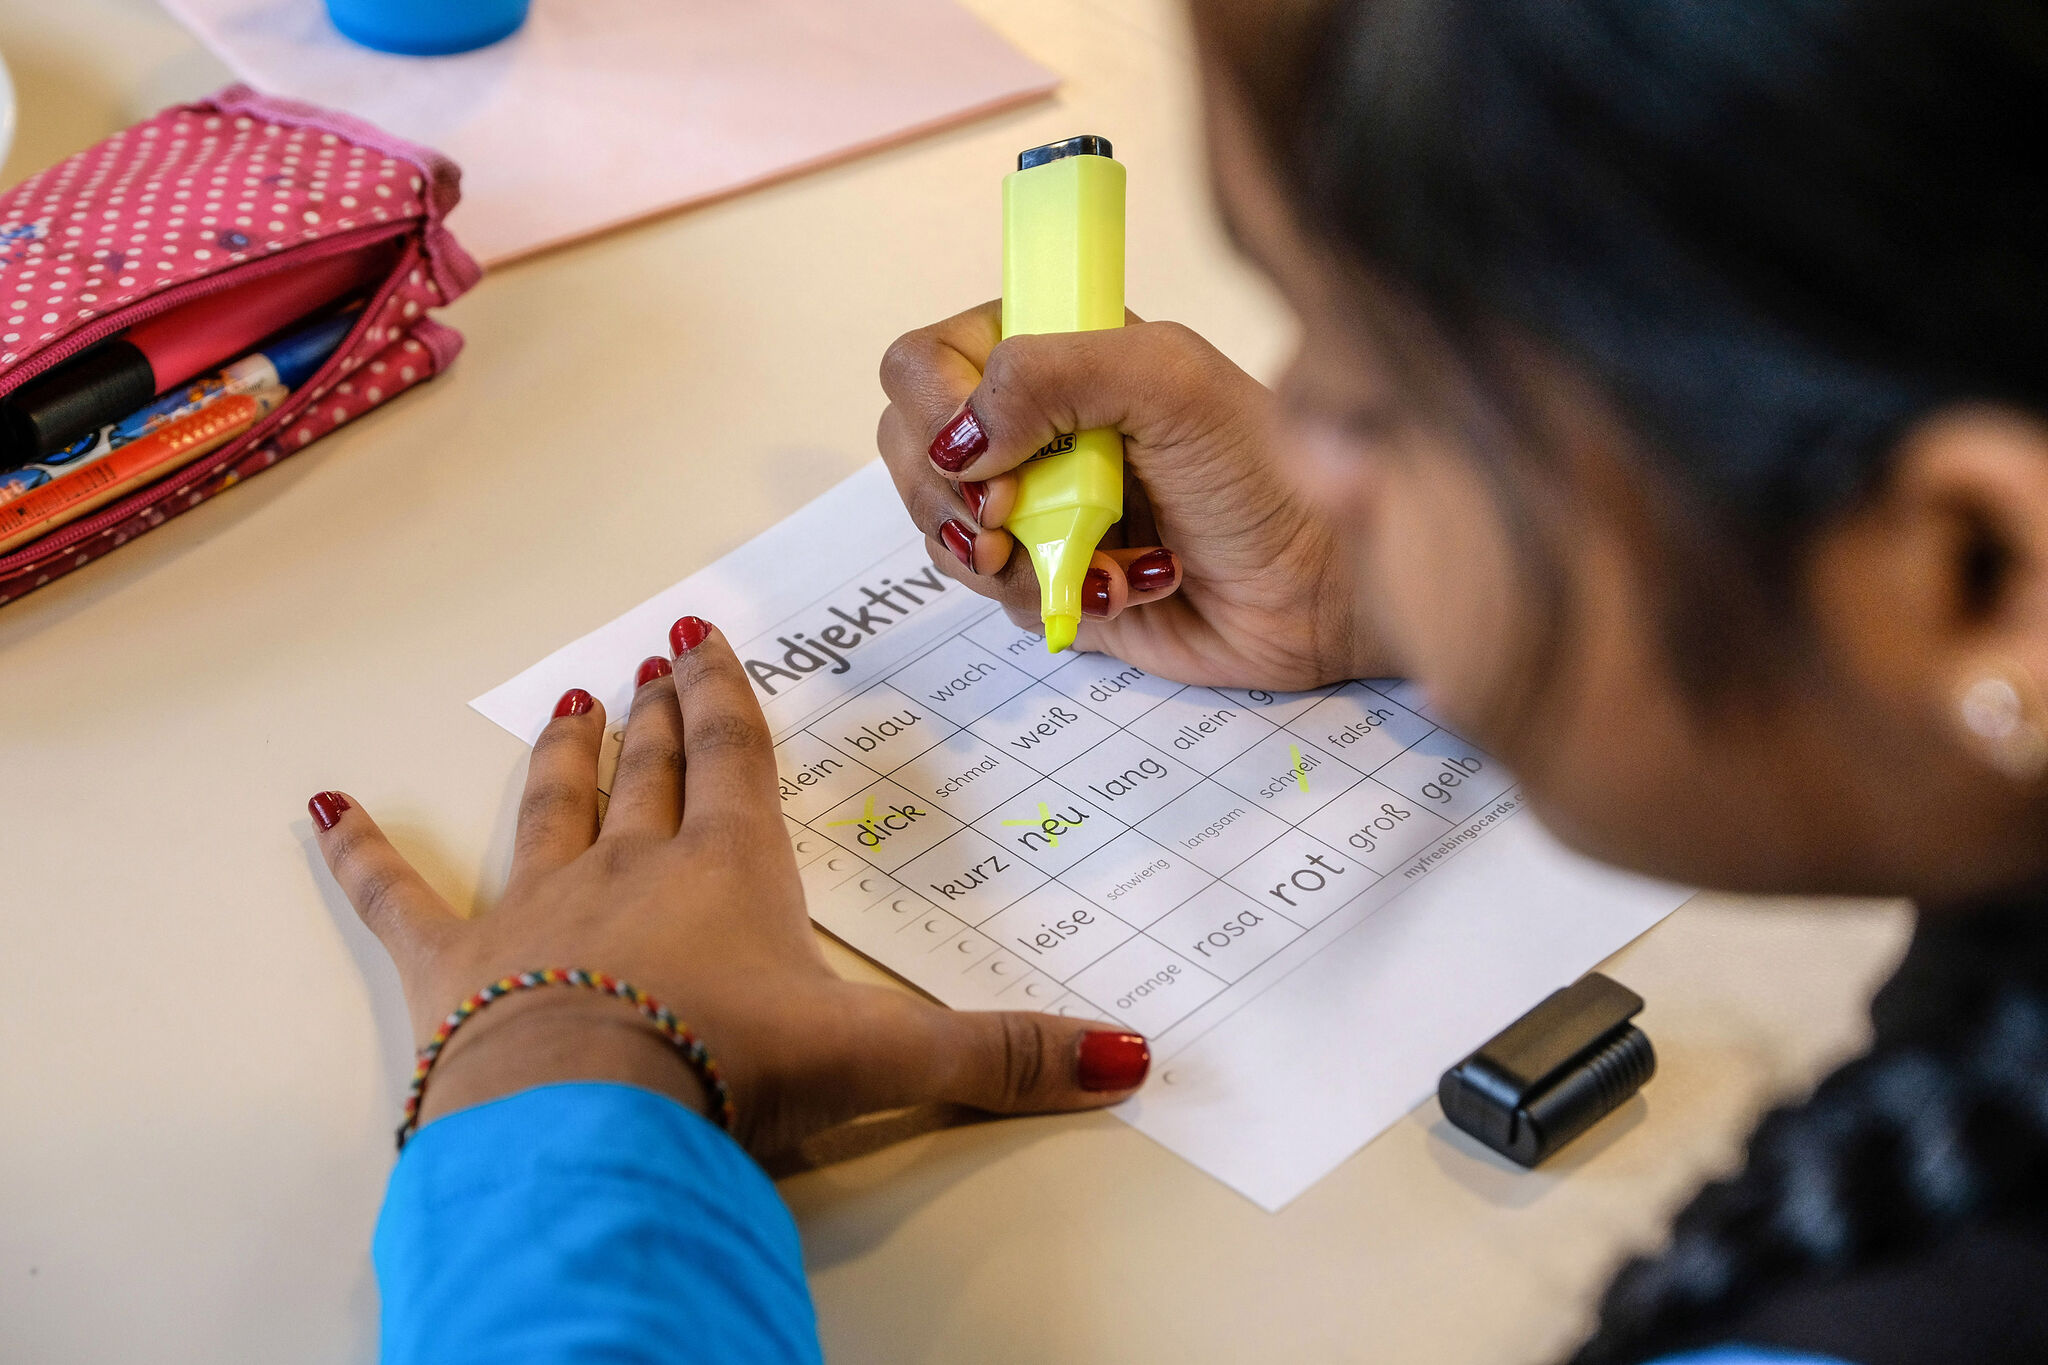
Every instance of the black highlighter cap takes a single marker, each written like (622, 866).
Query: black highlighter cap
(1087, 144)
(1553, 1073)
(75, 399)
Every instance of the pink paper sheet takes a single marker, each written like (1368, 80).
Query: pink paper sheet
(600, 112)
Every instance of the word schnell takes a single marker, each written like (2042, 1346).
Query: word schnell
(826, 647)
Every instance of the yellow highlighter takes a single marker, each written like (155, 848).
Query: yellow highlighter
(1063, 271)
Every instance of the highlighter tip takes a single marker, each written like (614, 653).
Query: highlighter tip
(1059, 633)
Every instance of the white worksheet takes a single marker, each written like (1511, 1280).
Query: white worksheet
(1311, 903)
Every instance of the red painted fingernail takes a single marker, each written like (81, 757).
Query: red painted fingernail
(959, 540)
(1112, 1061)
(959, 442)
(687, 633)
(574, 702)
(651, 667)
(327, 808)
(1095, 593)
(976, 494)
(1151, 571)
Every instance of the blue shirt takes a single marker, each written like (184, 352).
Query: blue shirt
(586, 1222)
(601, 1222)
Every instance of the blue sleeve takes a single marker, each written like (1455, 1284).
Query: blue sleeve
(586, 1222)
(1746, 1355)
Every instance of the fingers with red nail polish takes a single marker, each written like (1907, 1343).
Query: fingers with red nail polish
(1118, 580)
(1136, 577)
(1096, 597)
(959, 443)
(977, 552)
(1104, 593)
(1150, 574)
(958, 537)
(651, 667)
(1154, 571)
(687, 633)
(1111, 1061)
(327, 808)
(975, 493)
(990, 501)
(574, 702)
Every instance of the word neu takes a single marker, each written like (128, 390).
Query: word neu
(1044, 829)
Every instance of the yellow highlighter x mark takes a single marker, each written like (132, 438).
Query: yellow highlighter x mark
(866, 821)
(1047, 821)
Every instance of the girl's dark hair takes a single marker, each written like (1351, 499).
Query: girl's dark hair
(1776, 233)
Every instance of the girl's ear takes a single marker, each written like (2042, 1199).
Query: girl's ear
(1937, 586)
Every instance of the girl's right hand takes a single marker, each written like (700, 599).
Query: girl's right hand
(1220, 573)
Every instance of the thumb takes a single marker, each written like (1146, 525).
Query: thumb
(1152, 381)
(1011, 1062)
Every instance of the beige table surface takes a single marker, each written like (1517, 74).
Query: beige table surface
(200, 1054)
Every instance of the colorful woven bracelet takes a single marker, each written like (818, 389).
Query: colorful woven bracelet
(688, 1044)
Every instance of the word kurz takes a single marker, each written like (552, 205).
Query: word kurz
(974, 876)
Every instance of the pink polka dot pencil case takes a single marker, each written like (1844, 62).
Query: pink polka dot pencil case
(200, 200)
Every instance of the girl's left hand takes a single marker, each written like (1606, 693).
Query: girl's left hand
(690, 892)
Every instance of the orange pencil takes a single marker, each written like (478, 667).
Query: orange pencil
(168, 448)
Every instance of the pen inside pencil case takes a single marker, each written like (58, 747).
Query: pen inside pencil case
(167, 433)
(155, 356)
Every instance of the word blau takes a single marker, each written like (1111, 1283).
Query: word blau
(825, 646)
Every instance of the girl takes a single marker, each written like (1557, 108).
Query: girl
(1669, 404)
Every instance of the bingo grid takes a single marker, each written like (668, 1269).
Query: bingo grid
(1008, 829)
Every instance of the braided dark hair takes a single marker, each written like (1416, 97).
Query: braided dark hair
(1776, 233)
(1942, 1123)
